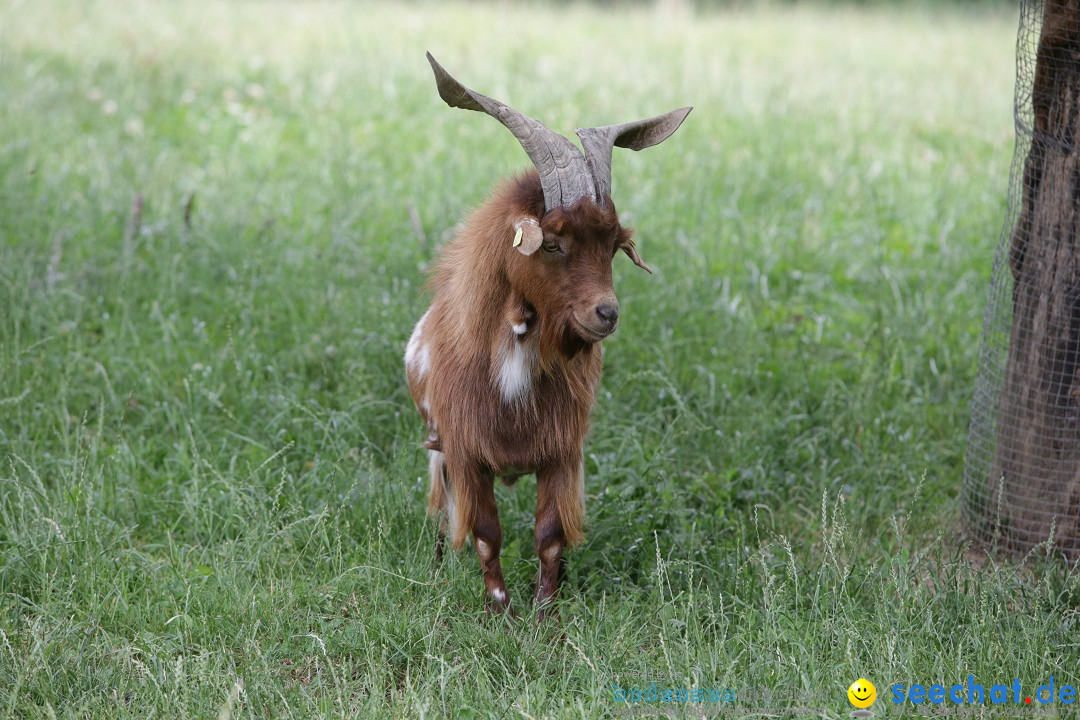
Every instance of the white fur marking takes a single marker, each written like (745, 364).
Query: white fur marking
(435, 468)
(435, 461)
(516, 371)
(451, 516)
(483, 549)
(520, 328)
(424, 360)
(416, 352)
(499, 594)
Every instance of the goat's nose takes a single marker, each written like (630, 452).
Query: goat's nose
(608, 314)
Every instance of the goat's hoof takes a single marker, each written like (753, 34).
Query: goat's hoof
(545, 610)
(440, 547)
(497, 607)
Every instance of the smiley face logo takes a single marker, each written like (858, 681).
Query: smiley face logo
(862, 693)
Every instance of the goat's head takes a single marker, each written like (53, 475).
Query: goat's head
(566, 245)
(567, 275)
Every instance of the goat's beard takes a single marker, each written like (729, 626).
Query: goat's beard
(565, 336)
(562, 333)
(583, 333)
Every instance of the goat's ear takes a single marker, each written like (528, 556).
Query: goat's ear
(628, 246)
(528, 237)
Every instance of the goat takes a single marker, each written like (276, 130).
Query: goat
(504, 365)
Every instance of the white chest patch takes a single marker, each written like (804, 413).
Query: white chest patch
(517, 363)
(416, 352)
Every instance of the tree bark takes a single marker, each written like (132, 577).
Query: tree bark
(1036, 468)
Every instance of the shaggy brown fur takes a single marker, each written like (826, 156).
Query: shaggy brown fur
(505, 364)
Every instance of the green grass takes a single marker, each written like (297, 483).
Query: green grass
(211, 493)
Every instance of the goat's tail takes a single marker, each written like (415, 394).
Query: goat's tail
(455, 499)
(437, 490)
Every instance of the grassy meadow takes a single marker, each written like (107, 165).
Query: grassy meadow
(215, 221)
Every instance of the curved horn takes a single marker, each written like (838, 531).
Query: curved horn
(564, 174)
(639, 135)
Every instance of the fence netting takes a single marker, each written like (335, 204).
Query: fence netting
(1021, 486)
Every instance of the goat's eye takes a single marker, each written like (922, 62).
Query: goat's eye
(551, 246)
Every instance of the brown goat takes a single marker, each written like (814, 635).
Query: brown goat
(504, 365)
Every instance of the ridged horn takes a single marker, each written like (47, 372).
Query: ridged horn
(564, 172)
(638, 135)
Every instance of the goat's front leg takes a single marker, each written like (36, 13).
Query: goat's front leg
(560, 520)
(475, 489)
(488, 535)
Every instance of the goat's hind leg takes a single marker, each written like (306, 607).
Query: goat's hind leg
(440, 501)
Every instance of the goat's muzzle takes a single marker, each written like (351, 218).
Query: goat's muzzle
(597, 323)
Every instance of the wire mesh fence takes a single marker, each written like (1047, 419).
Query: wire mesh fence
(1022, 472)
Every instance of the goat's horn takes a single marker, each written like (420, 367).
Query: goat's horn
(639, 135)
(564, 174)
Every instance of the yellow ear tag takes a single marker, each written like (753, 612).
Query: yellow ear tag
(517, 237)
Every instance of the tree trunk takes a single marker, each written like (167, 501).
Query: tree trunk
(1037, 463)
